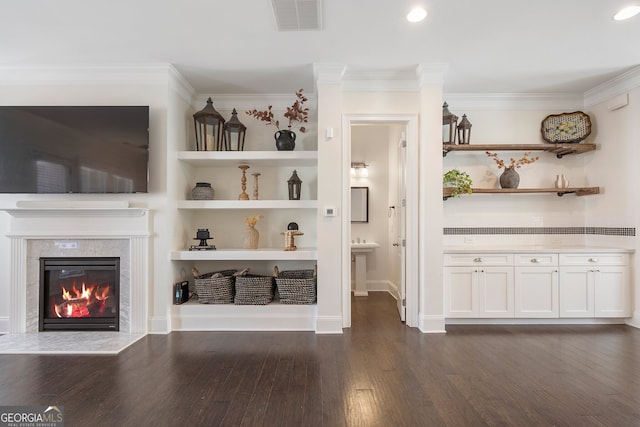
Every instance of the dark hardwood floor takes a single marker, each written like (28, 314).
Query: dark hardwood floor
(379, 373)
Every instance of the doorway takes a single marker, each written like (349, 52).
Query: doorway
(392, 214)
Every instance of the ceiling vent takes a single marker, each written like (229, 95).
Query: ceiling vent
(297, 15)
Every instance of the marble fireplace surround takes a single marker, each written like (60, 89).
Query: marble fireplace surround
(76, 229)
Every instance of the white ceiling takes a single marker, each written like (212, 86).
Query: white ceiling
(233, 47)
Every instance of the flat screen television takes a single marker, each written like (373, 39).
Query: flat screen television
(74, 149)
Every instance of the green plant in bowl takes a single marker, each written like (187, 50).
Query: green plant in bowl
(458, 182)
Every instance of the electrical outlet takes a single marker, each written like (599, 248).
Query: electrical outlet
(468, 240)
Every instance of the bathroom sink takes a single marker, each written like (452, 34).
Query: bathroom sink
(364, 247)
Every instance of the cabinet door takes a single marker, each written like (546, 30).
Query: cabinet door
(536, 292)
(576, 292)
(461, 292)
(611, 292)
(495, 292)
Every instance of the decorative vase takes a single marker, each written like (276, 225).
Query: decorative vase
(251, 238)
(565, 181)
(558, 182)
(285, 140)
(202, 191)
(509, 178)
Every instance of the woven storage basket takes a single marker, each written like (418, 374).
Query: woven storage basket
(215, 290)
(254, 290)
(297, 286)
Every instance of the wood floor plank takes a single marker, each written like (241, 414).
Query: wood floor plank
(378, 373)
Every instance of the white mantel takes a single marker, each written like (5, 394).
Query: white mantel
(34, 222)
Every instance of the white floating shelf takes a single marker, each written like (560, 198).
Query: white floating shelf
(247, 204)
(261, 254)
(257, 158)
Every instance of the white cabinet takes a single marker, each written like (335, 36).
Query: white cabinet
(594, 285)
(482, 288)
(536, 285)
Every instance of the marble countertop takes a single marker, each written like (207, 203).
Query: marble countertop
(533, 248)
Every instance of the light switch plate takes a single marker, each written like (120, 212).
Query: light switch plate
(329, 211)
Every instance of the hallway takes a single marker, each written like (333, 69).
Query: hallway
(379, 373)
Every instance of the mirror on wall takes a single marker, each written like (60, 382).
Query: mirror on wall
(359, 204)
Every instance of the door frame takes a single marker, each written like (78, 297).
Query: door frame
(412, 204)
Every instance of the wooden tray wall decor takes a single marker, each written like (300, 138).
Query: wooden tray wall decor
(566, 127)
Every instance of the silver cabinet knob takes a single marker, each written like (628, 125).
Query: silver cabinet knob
(477, 260)
(593, 259)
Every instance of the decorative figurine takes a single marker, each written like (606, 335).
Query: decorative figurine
(255, 185)
(202, 235)
(251, 235)
(289, 236)
(243, 181)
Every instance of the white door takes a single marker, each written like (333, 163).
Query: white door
(401, 209)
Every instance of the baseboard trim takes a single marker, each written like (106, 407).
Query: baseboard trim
(430, 324)
(328, 325)
(159, 325)
(4, 325)
(635, 320)
(556, 321)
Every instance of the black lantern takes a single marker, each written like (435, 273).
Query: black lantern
(449, 121)
(294, 186)
(209, 129)
(464, 130)
(234, 132)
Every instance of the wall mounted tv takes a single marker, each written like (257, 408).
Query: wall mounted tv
(74, 149)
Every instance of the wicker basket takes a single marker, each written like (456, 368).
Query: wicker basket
(297, 286)
(254, 290)
(215, 290)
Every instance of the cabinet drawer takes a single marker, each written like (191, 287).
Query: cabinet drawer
(595, 259)
(473, 259)
(533, 259)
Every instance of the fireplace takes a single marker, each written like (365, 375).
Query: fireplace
(79, 293)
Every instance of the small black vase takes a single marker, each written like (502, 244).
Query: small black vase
(285, 140)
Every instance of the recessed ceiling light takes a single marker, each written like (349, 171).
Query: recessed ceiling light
(626, 13)
(416, 15)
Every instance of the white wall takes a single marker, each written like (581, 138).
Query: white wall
(143, 86)
(615, 169)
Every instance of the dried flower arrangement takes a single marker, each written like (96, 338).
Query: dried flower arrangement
(297, 114)
(513, 163)
(251, 220)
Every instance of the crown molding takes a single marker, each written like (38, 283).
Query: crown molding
(379, 80)
(243, 102)
(616, 86)
(41, 75)
(514, 101)
(180, 85)
(328, 73)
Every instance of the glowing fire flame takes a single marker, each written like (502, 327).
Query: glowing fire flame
(77, 302)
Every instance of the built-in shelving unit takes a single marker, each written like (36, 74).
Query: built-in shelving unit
(247, 204)
(578, 191)
(559, 150)
(261, 254)
(274, 316)
(255, 158)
